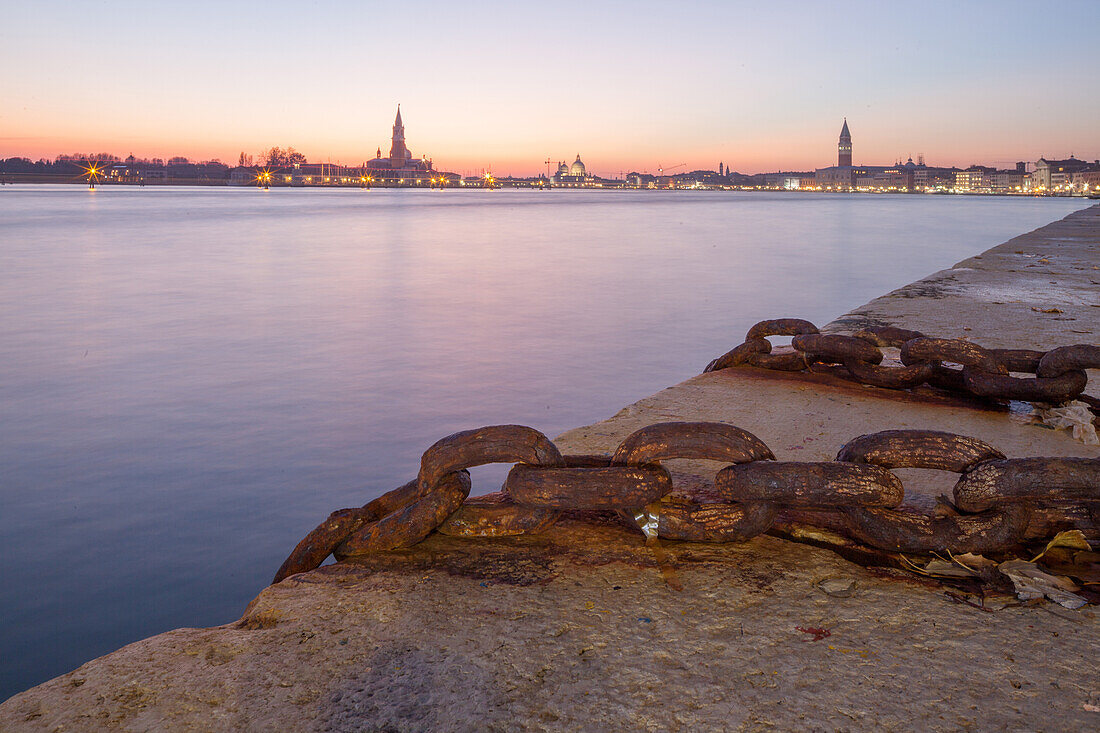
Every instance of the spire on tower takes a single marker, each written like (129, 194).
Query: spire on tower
(844, 147)
(398, 152)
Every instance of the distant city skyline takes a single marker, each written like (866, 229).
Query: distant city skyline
(632, 86)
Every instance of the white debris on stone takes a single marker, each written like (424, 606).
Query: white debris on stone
(1075, 416)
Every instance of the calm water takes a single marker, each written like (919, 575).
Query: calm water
(191, 379)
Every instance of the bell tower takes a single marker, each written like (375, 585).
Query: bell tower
(398, 152)
(844, 147)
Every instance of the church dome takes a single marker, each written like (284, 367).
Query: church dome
(577, 169)
(563, 169)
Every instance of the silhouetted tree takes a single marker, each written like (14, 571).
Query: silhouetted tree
(279, 157)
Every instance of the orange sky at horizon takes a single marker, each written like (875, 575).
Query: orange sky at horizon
(603, 153)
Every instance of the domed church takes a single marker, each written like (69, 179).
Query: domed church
(571, 175)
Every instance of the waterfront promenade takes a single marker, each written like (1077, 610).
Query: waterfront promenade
(577, 629)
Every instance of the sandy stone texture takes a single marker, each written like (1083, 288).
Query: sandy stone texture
(577, 630)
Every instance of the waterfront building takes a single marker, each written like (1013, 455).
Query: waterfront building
(136, 171)
(790, 181)
(1055, 175)
(898, 178)
(975, 179)
(1009, 181)
(1086, 180)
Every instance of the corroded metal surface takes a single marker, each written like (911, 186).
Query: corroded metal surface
(918, 449)
(986, 373)
(410, 524)
(955, 351)
(856, 493)
(1042, 480)
(811, 484)
(901, 531)
(581, 485)
(1068, 358)
(491, 444)
(836, 348)
(1057, 390)
(685, 520)
(497, 515)
(709, 441)
(898, 377)
(780, 327)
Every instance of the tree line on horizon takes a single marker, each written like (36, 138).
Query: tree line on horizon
(73, 163)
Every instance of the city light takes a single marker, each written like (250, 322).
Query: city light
(93, 172)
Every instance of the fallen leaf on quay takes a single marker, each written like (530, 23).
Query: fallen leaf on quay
(943, 568)
(1047, 310)
(1033, 583)
(1072, 538)
(973, 561)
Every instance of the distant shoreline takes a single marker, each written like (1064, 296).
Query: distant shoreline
(5, 180)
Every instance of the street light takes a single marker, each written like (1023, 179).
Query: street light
(93, 172)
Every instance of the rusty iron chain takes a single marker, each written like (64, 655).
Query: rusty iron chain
(1059, 373)
(998, 502)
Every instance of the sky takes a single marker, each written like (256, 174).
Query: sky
(761, 86)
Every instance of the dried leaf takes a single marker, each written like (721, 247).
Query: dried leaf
(1031, 582)
(1047, 310)
(973, 561)
(1072, 538)
(946, 569)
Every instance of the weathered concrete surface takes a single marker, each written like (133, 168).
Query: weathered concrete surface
(578, 629)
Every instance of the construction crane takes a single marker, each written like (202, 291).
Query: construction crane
(661, 169)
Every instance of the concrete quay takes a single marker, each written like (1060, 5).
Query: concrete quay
(579, 629)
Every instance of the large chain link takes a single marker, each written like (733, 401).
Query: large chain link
(1059, 373)
(999, 502)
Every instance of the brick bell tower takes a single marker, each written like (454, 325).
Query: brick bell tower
(844, 147)
(398, 152)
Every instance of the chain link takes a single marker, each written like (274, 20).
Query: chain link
(1059, 373)
(999, 502)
